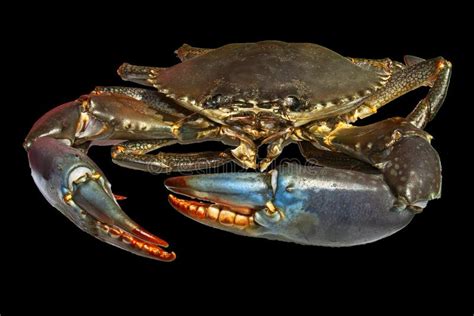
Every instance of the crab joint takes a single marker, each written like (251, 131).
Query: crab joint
(271, 210)
(395, 137)
(84, 103)
(67, 197)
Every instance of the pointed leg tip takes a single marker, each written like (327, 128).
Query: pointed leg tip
(120, 197)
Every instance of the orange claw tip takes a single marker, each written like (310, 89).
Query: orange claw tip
(153, 252)
(165, 256)
(140, 232)
(157, 253)
(148, 250)
(120, 197)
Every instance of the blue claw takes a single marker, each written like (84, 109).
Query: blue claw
(303, 204)
(74, 185)
(242, 189)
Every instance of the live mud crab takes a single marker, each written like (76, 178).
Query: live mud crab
(367, 182)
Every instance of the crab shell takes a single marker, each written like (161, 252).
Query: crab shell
(298, 82)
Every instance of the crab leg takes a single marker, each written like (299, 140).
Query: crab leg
(134, 155)
(304, 204)
(434, 73)
(401, 152)
(72, 183)
(386, 65)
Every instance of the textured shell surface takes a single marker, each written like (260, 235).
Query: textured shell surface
(268, 71)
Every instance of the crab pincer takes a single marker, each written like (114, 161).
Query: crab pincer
(73, 184)
(303, 204)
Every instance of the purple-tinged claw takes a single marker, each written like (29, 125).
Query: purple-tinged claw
(74, 185)
(303, 204)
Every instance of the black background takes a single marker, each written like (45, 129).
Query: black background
(56, 54)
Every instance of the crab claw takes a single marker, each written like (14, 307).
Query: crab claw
(303, 204)
(74, 185)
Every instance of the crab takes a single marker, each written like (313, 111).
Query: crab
(362, 183)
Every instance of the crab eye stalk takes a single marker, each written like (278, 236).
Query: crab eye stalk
(293, 103)
(214, 102)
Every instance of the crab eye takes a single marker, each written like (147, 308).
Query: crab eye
(213, 102)
(293, 103)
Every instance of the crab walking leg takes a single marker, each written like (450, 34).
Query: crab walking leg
(152, 98)
(186, 52)
(73, 184)
(386, 65)
(434, 73)
(402, 153)
(427, 108)
(137, 74)
(134, 155)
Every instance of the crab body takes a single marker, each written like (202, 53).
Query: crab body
(250, 95)
(294, 83)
